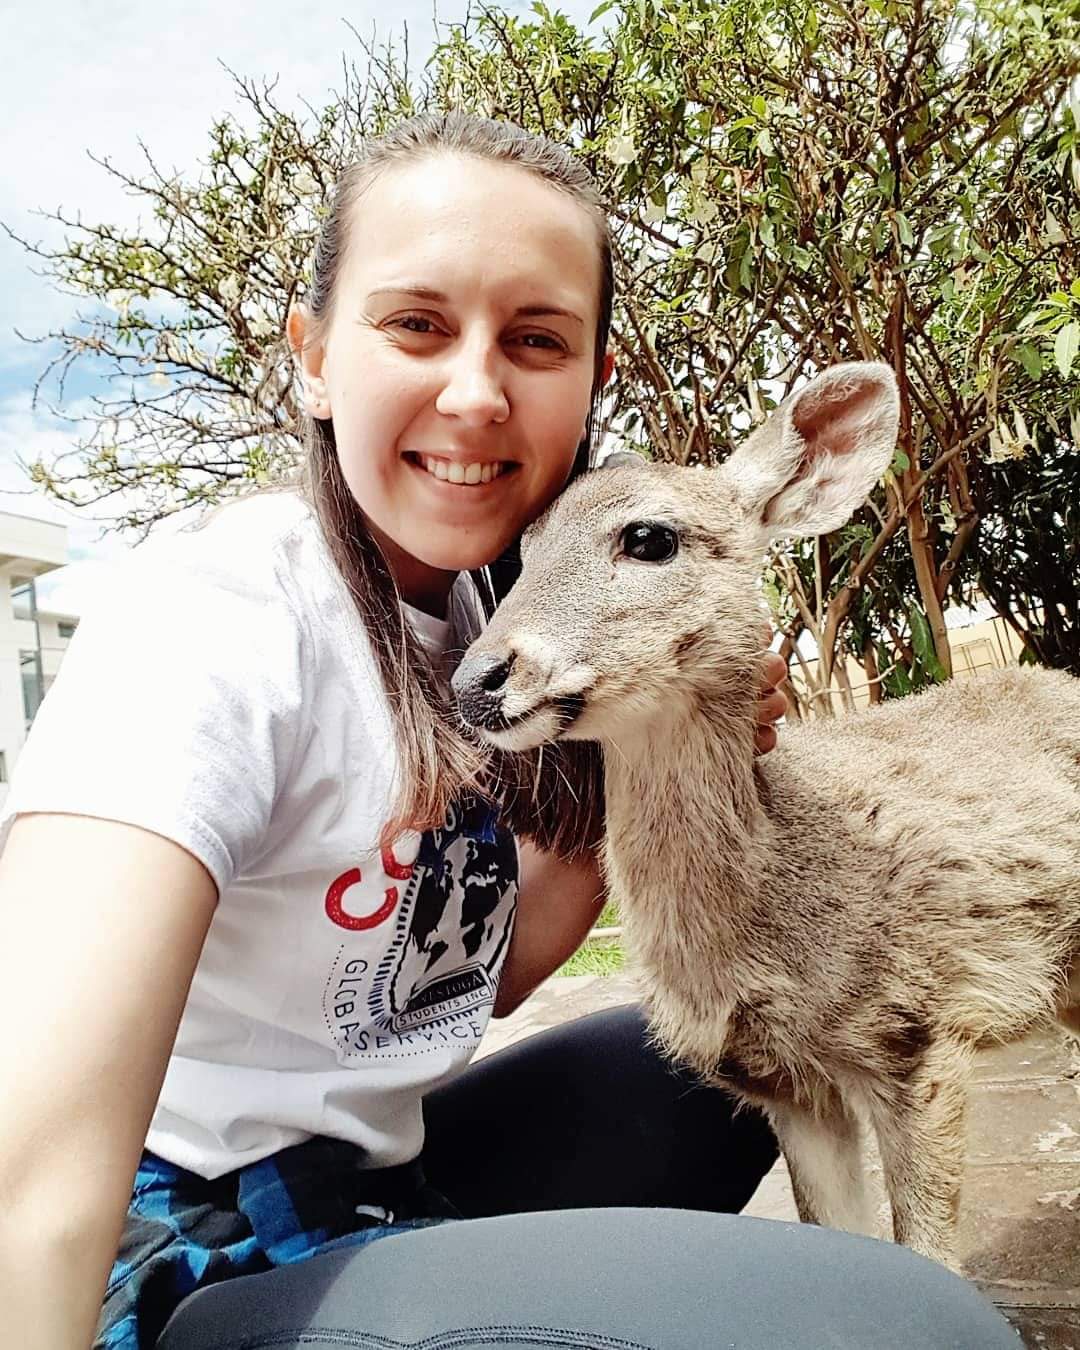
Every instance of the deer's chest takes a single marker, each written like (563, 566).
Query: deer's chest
(733, 1043)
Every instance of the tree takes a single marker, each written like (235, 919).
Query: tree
(790, 184)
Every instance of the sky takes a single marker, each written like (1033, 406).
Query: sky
(99, 78)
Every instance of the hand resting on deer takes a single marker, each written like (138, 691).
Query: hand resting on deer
(832, 931)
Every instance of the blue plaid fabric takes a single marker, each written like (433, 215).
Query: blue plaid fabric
(184, 1232)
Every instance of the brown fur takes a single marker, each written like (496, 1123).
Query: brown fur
(833, 930)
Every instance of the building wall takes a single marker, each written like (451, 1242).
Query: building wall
(12, 721)
(29, 549)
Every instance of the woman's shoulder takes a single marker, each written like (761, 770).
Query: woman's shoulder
(266, 548)
(245, 536)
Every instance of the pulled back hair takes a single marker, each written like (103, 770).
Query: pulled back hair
(553, 795)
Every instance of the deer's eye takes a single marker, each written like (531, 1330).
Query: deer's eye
(645, 541)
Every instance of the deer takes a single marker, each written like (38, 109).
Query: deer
(831, 931)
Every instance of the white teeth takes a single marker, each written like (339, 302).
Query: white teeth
(449, 471)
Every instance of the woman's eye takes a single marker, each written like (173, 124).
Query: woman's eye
(646, 542)
(540, 342)
(414, 323)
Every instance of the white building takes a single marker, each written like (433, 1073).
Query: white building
(32, 641)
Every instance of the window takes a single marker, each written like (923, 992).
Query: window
(23, 598)
(66, 630)
(33, 685)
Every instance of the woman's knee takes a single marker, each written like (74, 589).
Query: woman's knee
(662, 1279)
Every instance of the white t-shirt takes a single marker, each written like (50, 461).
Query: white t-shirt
(224, 694)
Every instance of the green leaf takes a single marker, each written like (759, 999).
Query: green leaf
(903, 228)
(764, 142)
(922, 641)
(900, 462)
(773, 597)
(897, 683)
(1030, 359)
(760, 107)
(1066, 345)
(601, 10)
(810, 27)
(1032, 317)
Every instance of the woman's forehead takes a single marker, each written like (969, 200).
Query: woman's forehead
(461, 218)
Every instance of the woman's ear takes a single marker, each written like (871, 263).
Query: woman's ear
(310, 356)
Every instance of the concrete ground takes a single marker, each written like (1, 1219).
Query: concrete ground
(1020, 1229)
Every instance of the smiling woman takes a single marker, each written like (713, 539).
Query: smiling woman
(476, 372)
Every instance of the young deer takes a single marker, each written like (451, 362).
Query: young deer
(832, 930)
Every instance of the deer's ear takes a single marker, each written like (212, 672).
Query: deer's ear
(816, 459)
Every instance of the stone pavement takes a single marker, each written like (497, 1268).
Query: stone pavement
(1020, 1228)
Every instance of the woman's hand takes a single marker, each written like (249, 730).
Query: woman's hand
(772, 704)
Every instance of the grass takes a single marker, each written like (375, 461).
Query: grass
(598, 956)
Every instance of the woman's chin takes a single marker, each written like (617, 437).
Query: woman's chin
(460, 555)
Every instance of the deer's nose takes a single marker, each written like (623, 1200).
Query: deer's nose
(478, 685)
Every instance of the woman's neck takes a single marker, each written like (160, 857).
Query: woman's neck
(423, 587)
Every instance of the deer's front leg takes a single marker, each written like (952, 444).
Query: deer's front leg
(824, 1158)
(921, 1136)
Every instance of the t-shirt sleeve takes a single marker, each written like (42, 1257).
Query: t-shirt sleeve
(175, 709)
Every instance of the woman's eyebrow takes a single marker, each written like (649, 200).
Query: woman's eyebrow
(438, 298)
(540, 311)
(420, 292)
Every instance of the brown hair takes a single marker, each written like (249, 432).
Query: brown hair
(553, 795)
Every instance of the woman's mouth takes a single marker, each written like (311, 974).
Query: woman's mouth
(453, 471)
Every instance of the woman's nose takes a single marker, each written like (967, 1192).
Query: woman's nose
(474, 390)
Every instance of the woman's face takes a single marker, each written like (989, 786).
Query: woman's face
(458, 362)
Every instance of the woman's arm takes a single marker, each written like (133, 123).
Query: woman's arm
(101, 925)
(559, 901)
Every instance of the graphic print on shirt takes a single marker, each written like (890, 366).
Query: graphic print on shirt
(451, 911)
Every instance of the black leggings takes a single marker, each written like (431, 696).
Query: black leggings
(587, 1116)
(588, 1123)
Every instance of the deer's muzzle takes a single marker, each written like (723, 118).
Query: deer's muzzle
(479, 685)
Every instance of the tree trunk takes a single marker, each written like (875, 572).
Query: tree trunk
(922, 554)
(922, 550)
(873, 674)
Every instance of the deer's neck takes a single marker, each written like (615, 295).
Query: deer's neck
(686, 837)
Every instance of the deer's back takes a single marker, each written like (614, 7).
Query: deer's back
(929, 850)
